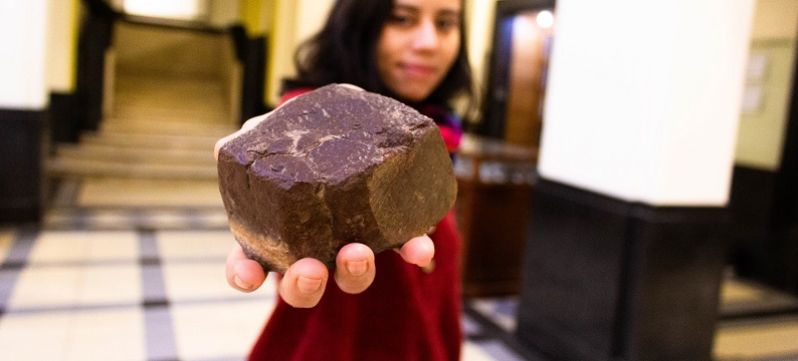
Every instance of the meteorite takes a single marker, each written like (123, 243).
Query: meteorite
(334, 166)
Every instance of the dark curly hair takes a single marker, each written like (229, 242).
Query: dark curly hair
(344, 51)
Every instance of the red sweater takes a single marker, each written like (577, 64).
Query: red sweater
(407, 314)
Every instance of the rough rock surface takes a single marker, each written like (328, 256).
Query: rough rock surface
(334, 166)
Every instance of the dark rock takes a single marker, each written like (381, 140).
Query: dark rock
(334, 166)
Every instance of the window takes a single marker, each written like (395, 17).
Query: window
(172, 9)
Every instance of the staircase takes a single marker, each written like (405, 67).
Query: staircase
(161, 128)
(150, 165)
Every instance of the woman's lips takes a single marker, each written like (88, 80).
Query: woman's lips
(417, 70)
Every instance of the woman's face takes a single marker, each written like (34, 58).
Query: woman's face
(418, 44)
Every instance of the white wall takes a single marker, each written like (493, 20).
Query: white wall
(775, 19)
(479, 22)
(772, 54)
(149, 50)
(23, 38)
(644, 97)
(311, 16)
(295, 21)
(62, 45)
(175, 9)
(224, 12)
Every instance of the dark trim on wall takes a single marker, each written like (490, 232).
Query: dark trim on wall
(22, 151)
(764, 233)
(606, 279)
(786, 212)
(64, 122)
(751, 203)
(239, 36)
(96, 34)
(253, 55)
(786, 207)
(765, 208)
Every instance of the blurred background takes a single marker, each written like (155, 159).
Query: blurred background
(628, 183)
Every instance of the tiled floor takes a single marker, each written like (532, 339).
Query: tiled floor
(5, 242)
(752, 338)
(102, 292)
(759, 339)
(138, 295)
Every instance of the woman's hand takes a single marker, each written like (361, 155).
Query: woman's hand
(303, 283)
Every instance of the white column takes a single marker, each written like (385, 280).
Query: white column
(23, 39)
(644, 98)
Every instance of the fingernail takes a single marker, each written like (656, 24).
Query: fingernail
(357, 268)
(307, 284)
(241, 284)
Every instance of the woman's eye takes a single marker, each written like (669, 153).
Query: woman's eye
(446, 24)
(400, 19)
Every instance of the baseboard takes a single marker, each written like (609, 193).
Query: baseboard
(22, 150)
(96, 35)
(252, 87)
(764, 238)
(64, 121)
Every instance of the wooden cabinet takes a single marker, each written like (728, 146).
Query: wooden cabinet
(495, 185)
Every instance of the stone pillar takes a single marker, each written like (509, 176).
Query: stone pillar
(625, 251)
(23, 109)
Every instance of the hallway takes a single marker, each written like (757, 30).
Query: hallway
(129, 261)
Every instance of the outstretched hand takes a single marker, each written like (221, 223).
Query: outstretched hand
(304, 282)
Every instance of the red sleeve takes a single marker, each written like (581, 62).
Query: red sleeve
(293, 93)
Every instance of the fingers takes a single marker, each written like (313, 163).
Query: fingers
(243, 273)
(355, 270)
(418, 251)
(303, 283)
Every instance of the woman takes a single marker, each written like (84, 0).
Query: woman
(411, 50)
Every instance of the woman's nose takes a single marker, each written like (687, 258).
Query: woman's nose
(426, 36)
